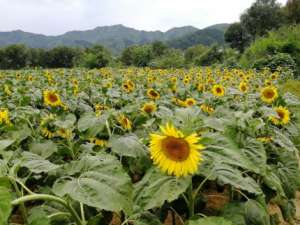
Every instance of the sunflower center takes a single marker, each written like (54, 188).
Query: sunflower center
(153, 93)
(243, 88)
(280, 114)
(219, 90)
(148, 109)
(53, 97)
(269, 94)
(176, 149)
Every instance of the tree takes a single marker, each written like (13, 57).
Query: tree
(137, 55)
(292, 11)
(213, 55)
(96, 57)
(158, 48)
(173, 58)
(237, 37)
(15, 57)
(261, 17)
(193, 52)
(61, 57)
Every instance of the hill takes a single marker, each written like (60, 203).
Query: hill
(116, 37)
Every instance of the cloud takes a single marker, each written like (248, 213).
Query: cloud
(58, 16)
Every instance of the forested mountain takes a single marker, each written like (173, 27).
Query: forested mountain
(116, 37)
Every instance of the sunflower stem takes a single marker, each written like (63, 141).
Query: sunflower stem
(191, 200)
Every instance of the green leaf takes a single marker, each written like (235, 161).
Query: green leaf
(5, 205)
(234, 212)
(38, 217)
(229, 175)
(145, 218)
(102, 183)
(256, 214)
(210, 221)
(43, 149)
(5, 143)
(126, 146)
(155, 188)
(88, 121)
(36, 163)
(66, 122)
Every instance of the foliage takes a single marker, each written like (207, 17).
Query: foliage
(172, 58)
(292, 11)
(78, 163)
(237, 36)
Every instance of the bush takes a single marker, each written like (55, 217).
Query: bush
(282, 60)
(173, 58)
(96, 57)
(285, 40)
(212, 56)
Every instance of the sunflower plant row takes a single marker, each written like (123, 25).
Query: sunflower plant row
(141, 146)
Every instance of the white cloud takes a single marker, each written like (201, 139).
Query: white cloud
(58, 16)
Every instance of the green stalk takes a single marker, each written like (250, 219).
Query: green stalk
(45, 197)
(191, 200)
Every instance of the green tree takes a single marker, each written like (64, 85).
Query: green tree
(15, 57)
(193, 52)
(158, 48)
(237, 37)
(173, 58)
(213, 55)
(292, 11)
(261, 17)
(96, 57)
(137, 55)
(61, 57)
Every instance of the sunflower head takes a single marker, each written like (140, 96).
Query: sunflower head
(190, 101)
(218, 90)
(175, 153)
(125, 122)
(149, 107)
(4, 117)
(206, 108)
(51, 98)
(269, 94)
(153, 94)
(243, 87)
(282, 116)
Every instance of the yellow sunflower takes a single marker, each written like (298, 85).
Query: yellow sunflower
(99, 142)
(269, 94)
(64, 133)
(282, 117)
(264, 139)
(125, 122)
(218, 90)
(51, 98)
(243, 87)
(153, 94)
(190, 101)
(174, 153)
(207, 108)
(4, 117)
(149, 107)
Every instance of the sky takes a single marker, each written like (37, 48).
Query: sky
(54, 17)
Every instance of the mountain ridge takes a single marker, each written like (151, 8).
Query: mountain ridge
(115, 37)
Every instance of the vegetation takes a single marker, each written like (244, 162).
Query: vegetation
(141, 146)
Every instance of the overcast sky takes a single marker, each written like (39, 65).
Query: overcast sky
(58, 16)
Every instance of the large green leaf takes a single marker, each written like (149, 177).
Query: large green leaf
(227, 174)
(5, 205)
(43, 149)
(66, 122)
(38, 217)
(5, 143)
(100, 182)
(36, 163)
(234, 212)
(256, 214)
(145, 218)
(127, 146)
(155, 188)
(92, 122)
(210, 221)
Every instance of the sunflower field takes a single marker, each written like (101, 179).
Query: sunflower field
(200, 146)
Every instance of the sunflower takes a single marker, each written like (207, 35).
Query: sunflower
(200, 87)
(153, 94)
(51, 98)
(98, 142)
(64, 133)
(4, 117)
(149, 107)
(264, 139)
(282, 117)
(243, 87)
(218, 90)
(190, 101)
(174, 153)
(179, 102)
(125, 122)
(269, 94)
(207, 108)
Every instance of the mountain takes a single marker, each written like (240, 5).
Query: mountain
(116, 37)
